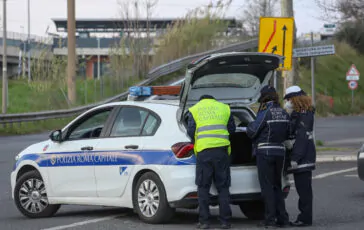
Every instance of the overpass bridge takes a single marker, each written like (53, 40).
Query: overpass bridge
(17, 47)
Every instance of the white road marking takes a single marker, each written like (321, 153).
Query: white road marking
(351, 175)
(320, 176)
(323, 175)
(84, 222)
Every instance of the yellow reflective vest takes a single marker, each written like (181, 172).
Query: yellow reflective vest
(211, 119)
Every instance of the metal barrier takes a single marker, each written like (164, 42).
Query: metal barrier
(153, 75)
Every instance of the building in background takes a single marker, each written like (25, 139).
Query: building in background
(98, 36)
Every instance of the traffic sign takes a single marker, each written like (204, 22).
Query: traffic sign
(276, 36)
(314, 51)
(353, 85)
(353, 74)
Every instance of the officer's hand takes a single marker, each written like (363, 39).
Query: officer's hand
(294, 164)
(289, 144)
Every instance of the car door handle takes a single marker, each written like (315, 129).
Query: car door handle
(87, 148)
(131, 146)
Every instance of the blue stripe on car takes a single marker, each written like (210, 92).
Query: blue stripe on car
(102, 158)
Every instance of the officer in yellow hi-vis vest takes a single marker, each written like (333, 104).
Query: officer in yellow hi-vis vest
(209, 126)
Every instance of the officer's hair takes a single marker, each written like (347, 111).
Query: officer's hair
(302, 103)
(272, 96)
(206, 97)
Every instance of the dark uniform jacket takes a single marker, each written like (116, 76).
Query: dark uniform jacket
(304, 150)
(269, 130)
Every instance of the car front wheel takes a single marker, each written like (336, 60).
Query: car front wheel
(150, 200)
(253, 210)
(31, 197)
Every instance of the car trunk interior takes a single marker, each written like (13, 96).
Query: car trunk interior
(241, 145)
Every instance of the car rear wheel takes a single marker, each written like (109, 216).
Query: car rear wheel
(253, 210)
(150, 200)
(30, 196)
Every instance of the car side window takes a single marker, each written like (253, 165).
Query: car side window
(150, 125)
(91, 127)
(133, 121)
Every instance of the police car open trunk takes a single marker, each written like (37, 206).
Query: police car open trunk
(233, 78)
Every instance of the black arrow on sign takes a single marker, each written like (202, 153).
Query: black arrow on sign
(284, 41)
(274, 49)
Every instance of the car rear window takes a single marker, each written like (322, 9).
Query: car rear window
(242, 80)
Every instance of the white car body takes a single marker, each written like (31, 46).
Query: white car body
(107, 174)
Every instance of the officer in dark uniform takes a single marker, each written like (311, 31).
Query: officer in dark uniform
(303, 150)
(268, 132)
(209, 126)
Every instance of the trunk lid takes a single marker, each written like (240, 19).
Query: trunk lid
(232, 78)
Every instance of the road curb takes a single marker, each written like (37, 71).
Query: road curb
(335, 158)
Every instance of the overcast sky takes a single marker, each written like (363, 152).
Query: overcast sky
(42, 11)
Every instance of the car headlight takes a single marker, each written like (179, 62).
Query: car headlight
(17, 157)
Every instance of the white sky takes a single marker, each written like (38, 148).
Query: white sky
(306, 12)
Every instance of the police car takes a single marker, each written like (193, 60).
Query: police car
(136, 153)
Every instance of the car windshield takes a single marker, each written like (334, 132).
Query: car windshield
(241, 80)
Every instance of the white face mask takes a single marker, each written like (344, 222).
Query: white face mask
(288, 106)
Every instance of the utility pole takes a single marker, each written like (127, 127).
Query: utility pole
(289, 76)
(313, 75)
(71, 64)
(29, 61)
(5, 63)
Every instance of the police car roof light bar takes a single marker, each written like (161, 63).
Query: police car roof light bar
(137, 92)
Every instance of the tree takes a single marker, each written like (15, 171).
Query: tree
(129, 57)
(349, 17)
(255, 9)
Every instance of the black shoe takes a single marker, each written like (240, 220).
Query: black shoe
(267, 225)
(299, 223)
(225, 226)
(203, 226)
(284, 225)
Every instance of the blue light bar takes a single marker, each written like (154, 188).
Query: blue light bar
(140, 91)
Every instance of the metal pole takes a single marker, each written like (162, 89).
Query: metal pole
(352, 98)
(313, 75)
(5, 62)
(313, 89)
(275, 80)
(289, 75)
(99, 69)
(98, 58)
(71, 62)
(29, 61)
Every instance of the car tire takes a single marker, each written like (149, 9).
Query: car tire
(150, 188)
(30, 196)
(253, 210)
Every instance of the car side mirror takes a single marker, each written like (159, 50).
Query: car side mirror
(56, 136)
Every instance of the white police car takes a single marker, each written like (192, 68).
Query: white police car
(136, 154)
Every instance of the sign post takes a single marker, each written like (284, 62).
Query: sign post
(353, 77)
(352, 85)
(312, 52)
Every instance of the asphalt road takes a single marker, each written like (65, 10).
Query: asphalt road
(341, 131)
(339, 198)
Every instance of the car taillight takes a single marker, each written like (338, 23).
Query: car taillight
(182, 149)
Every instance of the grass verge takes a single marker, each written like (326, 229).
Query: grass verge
(43, 96)
(330, 77)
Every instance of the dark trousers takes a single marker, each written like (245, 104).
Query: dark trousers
(303, 182)
(213, 165)
(270, 178)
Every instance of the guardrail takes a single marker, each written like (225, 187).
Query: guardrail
(153, 75)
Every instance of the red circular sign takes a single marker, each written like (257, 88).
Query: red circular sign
(353, 84)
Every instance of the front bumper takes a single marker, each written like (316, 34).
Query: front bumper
(12, 183)
(190, 201)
